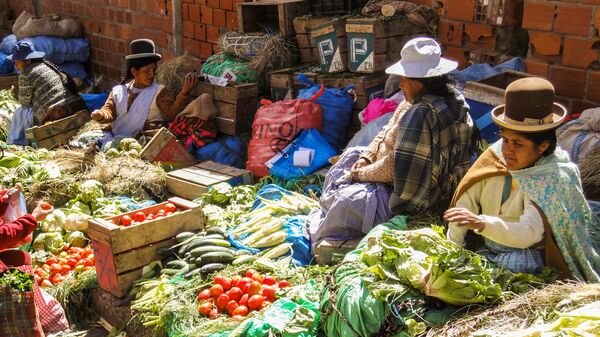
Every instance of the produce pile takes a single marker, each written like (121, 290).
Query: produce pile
(8, 104)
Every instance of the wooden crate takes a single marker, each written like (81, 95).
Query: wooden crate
(303, 27)
(330, 39)
(367, 87)
(284, 85)
(9, 81)
(332, 252)
(491, 90)
(375, 44)
(56, 133)
(193, 181)
(278, 15)
(165, 149)
(121, 252)
(236, 104)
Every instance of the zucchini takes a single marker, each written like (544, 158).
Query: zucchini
(170, 272)
(196, 252)
(209, 242)
(242, 252)
(212, 267)
(216, 230)
(181, 237)
(193, 272)
(216, 257)
(214, 236)
(243, 259)
(176, 264)
(183, 270)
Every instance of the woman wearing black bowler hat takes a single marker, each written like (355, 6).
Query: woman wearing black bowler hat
(46, 93)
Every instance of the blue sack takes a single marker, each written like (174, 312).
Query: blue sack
(59, 50)
(337, 110)
(6, 65)
(283, 167)
(227, 150)
(7, 44)
(94, 101)
(74, 69)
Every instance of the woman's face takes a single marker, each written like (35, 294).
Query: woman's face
(520, 152)
(21, 64)
(410, 87)
(144, 76)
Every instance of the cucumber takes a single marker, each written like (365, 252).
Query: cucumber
(216, 257)
(170, 272)
(181, 237)
(192, 273)
(176, 264)
(214, 236)
(196, 252)
(216, 230)
(243, 259)
(165, 252)
(209, 242)
(242, 252)
(212, 267)
(183, 270)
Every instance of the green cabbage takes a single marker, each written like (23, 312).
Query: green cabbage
(90, 191)
(52, 242)
(76, 239)
(54, 222)
(77, 222)
(79, 207)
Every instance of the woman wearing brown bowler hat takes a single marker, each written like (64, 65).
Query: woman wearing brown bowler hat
(524, 196)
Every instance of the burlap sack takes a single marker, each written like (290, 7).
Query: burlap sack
(26, 26)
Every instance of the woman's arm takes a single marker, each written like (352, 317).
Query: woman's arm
(370, 153)
(12, 233)
(108, 112)
(171, 108)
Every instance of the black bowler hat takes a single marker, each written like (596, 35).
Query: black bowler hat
(142, 48)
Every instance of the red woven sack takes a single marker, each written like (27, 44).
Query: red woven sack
(281, 119)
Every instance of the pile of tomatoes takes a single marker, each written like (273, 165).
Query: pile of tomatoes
(56, 268)
(238, 296)
(140, 217)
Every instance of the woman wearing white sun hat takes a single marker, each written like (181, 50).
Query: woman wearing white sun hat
(524, 196)
(414, 163)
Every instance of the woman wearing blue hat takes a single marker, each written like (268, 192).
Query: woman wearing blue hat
(45, 92)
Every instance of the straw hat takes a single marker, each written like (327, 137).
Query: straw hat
(421, 57)
(529, 107)
(142, 48)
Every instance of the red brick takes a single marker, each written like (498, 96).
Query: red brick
(219, 18)
(200, 32)
(227, 5)
(476, 31)
(574, 20)
(578, 106)
(212, 34)
(201, 2)
(450, 32)
(546, 44)
(213, 3)
(185, 11)
(205, 50)
(232, 20)
(195, 47)
(597, 22)
(579, 53)
(128, 18)
(194, 12)
(593, 86)
(456, 54)
(188, 29)
(460, 9)
(590, 2)
(538, 15)
(568, 82)
(536, 67)
(207, 15)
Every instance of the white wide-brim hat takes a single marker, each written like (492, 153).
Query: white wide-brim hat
(421, 57)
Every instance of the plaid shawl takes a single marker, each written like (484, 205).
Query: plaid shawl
(433, 151)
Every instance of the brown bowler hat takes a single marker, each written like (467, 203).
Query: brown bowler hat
(142, 48)
(529, 107)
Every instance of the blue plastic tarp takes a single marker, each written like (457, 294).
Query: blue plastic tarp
(59, 50)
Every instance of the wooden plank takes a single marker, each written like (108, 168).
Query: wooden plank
(380, 28)
(165, 148)
(59, 126)
(52, 142)
(305, 24)
(230, 93)
(140, 257)
(193, 178)
(125, 281)
(308, 56)
(177, 8)
(185, 189)
(305, 41)
(362, 82)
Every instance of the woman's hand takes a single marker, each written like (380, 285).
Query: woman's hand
(11, 196)
(464, 218)
(362, 162)
(96, 116)
(188, 83)
(40, 213)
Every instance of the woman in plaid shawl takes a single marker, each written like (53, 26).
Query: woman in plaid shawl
(413, 165)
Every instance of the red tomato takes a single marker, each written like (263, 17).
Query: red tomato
(91, 257)
(222, 301)
(254, 288)
(88, 263)
(160, 212)
(65, 269)
(204, 295)
(216, 290)
(257, 277)
(246, 289)
(126, 220)
(235, 293)
(242, 310)
(74, 250)
(243, 282)
(244, 300)
(269, 280)
(87, 251)
(51, 261)
(255, 302)
(225, 282)
(249, 273)
(265, 304)
(46, 283)
(65, 247)
(205, 308)
(150, 217)
(55, 268)
(46, 206)
(56, 279)
(235, 280)
(283, 284)
(169, 207)
(139, 217)
(214, 313)
(231, 306)
(71, 262)
(268, 291)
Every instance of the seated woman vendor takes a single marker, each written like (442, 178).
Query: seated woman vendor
(523, 195)
(46, 93)
(140, 103)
